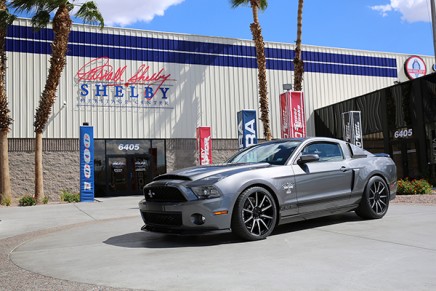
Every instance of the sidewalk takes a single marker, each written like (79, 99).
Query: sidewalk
(19, 220)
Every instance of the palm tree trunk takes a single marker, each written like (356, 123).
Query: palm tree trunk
(298, 62)
(5, 190)
(5, 120)
(39, 181)
(61, 29)
(261, 66)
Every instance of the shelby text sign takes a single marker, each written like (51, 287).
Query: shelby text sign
(292, 118)
(204, 145)
(86, 164)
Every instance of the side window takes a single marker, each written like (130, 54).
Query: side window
(325, 151)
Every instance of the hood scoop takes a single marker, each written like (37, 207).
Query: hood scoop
(171, 177)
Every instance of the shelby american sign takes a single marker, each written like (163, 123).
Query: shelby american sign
(102, 84)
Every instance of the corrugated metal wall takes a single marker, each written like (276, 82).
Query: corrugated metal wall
(210, 80)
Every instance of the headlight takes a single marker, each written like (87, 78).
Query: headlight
(206, 192)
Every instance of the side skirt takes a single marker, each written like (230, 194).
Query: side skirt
(311, 215)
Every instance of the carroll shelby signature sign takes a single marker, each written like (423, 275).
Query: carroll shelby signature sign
(102, 84)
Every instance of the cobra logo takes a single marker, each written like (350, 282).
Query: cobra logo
(151, 194)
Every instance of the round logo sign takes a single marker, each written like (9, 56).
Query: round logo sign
(86, 140)
(415, 67)
(87, 171)
(87, 156)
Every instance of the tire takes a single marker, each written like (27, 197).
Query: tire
(375, 199)
(255, 214)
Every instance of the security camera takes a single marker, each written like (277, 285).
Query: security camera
(65, 103)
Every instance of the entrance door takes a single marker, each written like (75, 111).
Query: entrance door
(405, 157)
(127, 175)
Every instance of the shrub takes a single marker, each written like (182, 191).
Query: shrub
(27, 200)
(45, 200)
(6, 201)
(407, 187)
(69, 197)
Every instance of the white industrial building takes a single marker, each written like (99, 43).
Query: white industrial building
(146, 92)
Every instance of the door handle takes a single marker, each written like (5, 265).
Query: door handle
(345, 169)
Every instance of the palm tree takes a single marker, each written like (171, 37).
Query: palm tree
(298, 62)
(256, 31)
(61, 28)
(5, 120)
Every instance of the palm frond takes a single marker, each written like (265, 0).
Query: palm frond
(237, 3)
(41, 19)
(24, 5)
(6, 18)
(261, 4)
(89, 13)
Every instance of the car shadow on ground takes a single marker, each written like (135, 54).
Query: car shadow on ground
(142, 239)
(317, 222)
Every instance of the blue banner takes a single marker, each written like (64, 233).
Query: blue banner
(247, 128)
(86, 164)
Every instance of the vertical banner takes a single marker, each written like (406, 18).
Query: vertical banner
(346, 126)
(292, 117)
(352, 128)
(204, 145)
(247, 128)
(86, 164)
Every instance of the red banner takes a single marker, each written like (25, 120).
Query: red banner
(292, 118)
(204, 145)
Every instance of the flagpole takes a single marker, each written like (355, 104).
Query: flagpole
(433, 21)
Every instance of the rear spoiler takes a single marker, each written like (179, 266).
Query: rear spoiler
(383, 155)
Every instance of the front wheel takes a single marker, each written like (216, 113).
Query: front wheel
(255, 214)
(375, 199)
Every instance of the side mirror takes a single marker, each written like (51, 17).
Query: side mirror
(307, 158)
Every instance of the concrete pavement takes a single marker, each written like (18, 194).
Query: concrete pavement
(340, 252)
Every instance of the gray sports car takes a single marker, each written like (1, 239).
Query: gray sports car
(268, 184)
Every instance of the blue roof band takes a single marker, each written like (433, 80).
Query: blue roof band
(90, 44)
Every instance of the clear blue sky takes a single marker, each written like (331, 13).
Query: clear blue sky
(401, 26)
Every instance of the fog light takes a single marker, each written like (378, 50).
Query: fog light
(198, 219)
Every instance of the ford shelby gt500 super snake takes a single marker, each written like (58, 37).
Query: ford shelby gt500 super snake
(269, 184)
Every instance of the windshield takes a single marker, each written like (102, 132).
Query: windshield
(273, 153)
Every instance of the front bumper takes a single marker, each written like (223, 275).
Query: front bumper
(190, 217)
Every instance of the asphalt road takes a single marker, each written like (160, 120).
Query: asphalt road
(101, 247)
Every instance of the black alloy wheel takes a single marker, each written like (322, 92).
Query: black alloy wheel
(375, 199)
(255, 214)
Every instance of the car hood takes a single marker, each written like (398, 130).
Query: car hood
(200, 172)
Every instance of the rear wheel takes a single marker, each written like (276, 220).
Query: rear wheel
(375, 199)
(255, 214)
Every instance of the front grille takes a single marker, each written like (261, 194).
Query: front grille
(173, 219)
(163, 194)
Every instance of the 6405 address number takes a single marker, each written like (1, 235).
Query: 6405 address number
(128, 146)
(404, 133)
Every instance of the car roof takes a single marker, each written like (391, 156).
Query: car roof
(303, 139)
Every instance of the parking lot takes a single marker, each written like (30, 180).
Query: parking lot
(105, 247)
